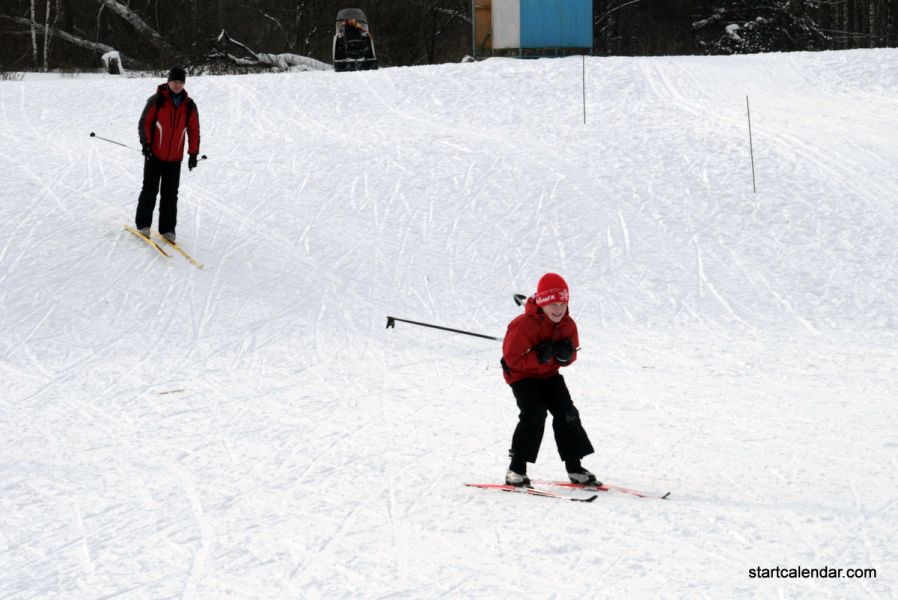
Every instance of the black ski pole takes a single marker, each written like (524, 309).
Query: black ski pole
(99, 137)
(391, 323)
(92, 134)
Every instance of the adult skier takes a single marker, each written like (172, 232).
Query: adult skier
(537, 344)
(168, 117)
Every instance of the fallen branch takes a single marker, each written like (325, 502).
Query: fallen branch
(280, 62)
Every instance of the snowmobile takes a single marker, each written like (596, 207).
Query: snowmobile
(353, 43)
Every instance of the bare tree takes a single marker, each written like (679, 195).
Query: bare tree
(406, 32)
(33, 35)
(97, 47)
(139, 25)
(48, 33)
(415, 32)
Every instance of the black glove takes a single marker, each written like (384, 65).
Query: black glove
(564, 349)
(147, 151)
(544, 351)
(191, 162)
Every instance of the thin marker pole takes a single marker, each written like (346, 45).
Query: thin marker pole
(584, 89)
(473, 30)
(751, 148)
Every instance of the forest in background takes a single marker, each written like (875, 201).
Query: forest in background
(230, 36)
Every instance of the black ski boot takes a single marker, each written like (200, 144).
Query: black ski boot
(577, 473)
(517, 479)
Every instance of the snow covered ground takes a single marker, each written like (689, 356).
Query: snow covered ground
(252, 430)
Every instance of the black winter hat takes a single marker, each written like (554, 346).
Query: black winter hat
(177, 74)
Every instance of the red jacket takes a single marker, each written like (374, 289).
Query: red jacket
(167, 126)
(527, 330)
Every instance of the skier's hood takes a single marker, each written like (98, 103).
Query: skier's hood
(166, 91)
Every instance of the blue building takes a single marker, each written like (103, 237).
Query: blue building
(522, 26)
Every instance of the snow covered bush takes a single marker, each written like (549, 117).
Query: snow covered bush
(745, 27)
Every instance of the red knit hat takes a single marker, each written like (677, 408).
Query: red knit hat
(550, 289)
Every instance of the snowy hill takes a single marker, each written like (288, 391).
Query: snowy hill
(252, 430)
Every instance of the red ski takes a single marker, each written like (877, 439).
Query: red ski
(602, 488)
(531, 491)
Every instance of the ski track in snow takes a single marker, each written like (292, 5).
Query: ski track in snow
(252, 430)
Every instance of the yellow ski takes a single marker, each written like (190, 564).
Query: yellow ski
(156, 246)
(180, 251)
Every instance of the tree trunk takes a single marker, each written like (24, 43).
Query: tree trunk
(873, 36)
(73, 39)
(836, 15)
(33, 36)
(890, 25)
(48, 35)
(845, 24)
(139, 24)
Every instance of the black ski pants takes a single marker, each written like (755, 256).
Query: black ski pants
(534, 398)
(167, 175)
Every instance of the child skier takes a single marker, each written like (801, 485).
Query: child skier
(168, 117)
(536, 345)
